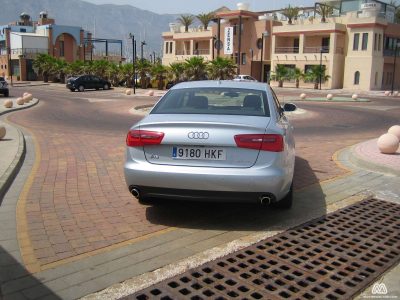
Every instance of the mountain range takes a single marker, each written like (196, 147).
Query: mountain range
(104, 21)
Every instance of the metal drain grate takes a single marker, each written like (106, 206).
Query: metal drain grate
(333, 257)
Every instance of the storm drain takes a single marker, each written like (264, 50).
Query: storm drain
(333, 257)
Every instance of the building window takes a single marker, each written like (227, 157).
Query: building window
(375, 41)
(376, 78)
(244, 58)
(61, 48)
(166, 47)
(170, 47)
(357, 78)
(379, 42)
(364, 45)
(356, 41)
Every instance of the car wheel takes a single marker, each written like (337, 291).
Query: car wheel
(81, 88)
(72, 90)
(287, 201)
(106, 87)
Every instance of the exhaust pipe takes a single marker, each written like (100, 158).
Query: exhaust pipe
(135, 192)
(265, 200)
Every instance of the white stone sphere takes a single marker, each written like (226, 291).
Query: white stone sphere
(396, 93)
(3, 131)
(26, 98)
(8, 104)
(128, 92)
(30, 97)
(329, 96)
(388, 143)
(395, 130)
(150, 93)
(25, 94)
(20, 101)
(354, 97)
(387, 93)
(303, 96)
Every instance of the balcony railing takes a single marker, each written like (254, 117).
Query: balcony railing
(28, 52)
(195, 52)
(3, 52)
(286, 49)
(390, 52)
(316, 50)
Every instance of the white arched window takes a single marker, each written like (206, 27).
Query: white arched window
(357, 78)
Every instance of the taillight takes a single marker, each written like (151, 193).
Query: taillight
(265, 142)
(137, 138)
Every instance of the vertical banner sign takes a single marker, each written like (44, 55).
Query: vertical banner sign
(228, 45)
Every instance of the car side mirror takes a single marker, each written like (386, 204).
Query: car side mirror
(289, 107)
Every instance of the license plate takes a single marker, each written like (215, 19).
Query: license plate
(199, 153)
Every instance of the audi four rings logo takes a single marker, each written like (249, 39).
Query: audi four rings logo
(198, 135)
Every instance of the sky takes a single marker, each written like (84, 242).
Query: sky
(202, 6)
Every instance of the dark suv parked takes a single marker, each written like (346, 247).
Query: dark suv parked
(87, 82)
(4, 87)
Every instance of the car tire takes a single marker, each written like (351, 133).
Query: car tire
(106, 87)
(81, 88)
(72, 90)
(286, 202)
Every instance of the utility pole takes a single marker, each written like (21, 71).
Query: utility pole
(131, 36)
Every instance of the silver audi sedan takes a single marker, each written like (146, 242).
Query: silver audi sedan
(213, 141)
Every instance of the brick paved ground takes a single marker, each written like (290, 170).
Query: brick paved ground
(78, 201)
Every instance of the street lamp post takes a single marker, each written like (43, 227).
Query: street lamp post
(394, 66)
(132, 37)
(143, 43)
(10, 67)
(154, 56)
(240, 44)
(264, 34)
(251, 63)
(320, 68)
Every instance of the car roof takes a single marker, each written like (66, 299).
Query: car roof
(221, 84)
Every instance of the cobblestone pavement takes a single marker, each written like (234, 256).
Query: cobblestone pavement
(75, 203)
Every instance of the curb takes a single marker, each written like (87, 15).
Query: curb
(362, 163)
(17, 85)
(35, 101)
(8, 177)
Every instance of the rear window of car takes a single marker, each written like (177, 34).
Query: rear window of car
(2, 79)
(214, 101)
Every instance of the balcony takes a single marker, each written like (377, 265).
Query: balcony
(195, 52)
(29, 53)
(307, 50)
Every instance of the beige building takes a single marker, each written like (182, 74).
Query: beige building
(356, 45)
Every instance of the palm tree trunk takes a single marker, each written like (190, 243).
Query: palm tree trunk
(280, 83)
(297, 83)
(316, 85)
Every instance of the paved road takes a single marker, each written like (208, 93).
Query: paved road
(76, 199)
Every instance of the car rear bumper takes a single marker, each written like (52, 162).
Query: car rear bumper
(199, 183)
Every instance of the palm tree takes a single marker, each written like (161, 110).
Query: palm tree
(324, 11)
(59, 69)
(221, 68)
(99, 67)
(143, 67)
(205, 19)
(43, 64)
(158, 71)
(290, 12)
(280, 74)
(296, 74)
(195, 68)
(186, 20)
(176, 72)
(315, 73)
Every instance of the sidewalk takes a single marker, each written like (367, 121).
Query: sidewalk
(12, 146)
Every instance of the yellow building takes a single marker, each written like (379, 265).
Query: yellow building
(356, 43)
